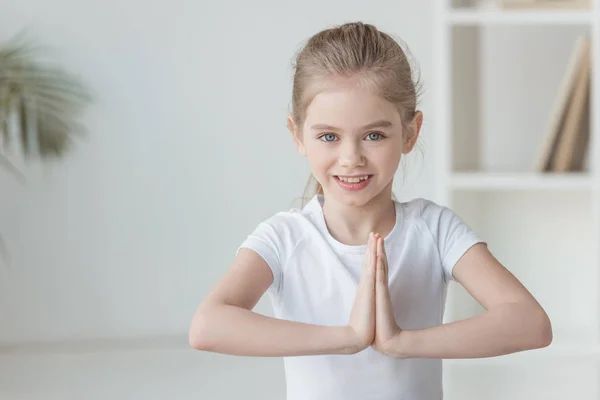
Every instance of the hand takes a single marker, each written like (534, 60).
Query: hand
(362, 316)
(386, 327)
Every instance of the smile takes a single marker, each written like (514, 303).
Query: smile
(353, 179)
(353, 183)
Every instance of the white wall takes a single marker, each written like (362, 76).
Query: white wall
(187, 151)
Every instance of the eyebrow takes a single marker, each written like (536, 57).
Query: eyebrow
(377, 124)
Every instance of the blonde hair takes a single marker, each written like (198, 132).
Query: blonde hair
(353, 50)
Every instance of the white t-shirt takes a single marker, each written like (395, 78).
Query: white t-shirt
(315, 281)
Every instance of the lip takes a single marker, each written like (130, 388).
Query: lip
(353, 187)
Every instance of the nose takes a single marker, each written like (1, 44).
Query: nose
(351, 155)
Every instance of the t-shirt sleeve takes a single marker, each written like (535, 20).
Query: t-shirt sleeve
(451, 233)
(266, 241)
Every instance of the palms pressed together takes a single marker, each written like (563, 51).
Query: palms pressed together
(372, 318)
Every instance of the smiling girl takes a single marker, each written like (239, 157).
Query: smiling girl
(357, 279)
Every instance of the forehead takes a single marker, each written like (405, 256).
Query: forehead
(350, 108)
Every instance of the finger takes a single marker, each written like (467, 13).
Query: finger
(385, 260)
(381, 261)
(371, 253)
(369, 269)
(382, 297)
(368, 256)
(374, 250)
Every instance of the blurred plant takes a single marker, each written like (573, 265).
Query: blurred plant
(39, 103)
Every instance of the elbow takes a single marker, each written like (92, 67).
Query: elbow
(546, 335)
(196, 340)
(199, 332)
(541, 331)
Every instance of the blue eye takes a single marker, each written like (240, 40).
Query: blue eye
(378, 136)
(330, 135)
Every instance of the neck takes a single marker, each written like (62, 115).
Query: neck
(351, 224)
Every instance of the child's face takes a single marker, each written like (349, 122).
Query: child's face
(353, 132)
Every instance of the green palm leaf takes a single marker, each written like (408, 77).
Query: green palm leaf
(45, 99)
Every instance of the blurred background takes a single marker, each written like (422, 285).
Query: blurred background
(110, 248)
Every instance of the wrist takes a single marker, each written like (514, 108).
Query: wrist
(351, 342)
(398, 345)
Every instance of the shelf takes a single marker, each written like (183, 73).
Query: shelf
(98, 345)
(504, 86)
(475, 17)
(554, 352)
(180, 342)
(502, 75)
(520, 181)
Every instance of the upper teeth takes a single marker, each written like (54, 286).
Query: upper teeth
(354, 179)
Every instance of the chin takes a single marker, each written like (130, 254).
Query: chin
(352, 199)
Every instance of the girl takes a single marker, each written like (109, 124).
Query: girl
(357, 279)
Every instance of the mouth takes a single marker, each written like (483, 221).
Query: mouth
(353, 183)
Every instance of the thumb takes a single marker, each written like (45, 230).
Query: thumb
(381, 264)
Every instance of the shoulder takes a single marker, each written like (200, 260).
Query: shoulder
(434, 219)
(450, 233)
(289, 221)
(286, 228)
(424, 209)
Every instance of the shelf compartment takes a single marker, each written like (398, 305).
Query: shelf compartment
(504, 84)
(549, 242)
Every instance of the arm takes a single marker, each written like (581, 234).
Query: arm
(513, 321)
(225, 322)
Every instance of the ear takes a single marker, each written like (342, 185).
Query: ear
(412, 133)
(296, 135)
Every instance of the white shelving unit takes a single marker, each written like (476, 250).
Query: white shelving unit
(498, 72)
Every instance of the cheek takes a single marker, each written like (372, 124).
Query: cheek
(317, 151)
(319, 157)
(386, 157)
